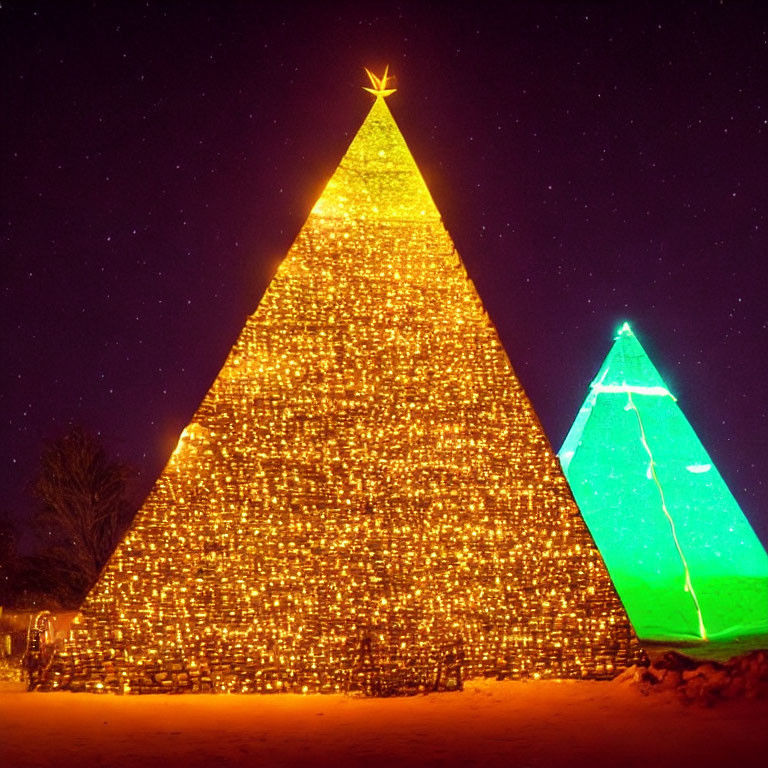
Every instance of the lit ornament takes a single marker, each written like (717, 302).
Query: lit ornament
(364, 500)
(684, 559)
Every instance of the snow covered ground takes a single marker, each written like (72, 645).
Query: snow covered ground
(488, 724)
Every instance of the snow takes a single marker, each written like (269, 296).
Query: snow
(490, 723)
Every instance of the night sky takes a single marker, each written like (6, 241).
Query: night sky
(593, 164)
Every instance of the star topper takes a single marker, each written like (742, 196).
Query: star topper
(379, 83)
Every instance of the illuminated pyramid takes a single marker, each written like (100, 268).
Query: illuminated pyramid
(364, 500)
(683, 557)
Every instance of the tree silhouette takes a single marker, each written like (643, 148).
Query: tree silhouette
(82, 512)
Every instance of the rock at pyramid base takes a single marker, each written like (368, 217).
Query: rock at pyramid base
(684, 559)
(365, 499)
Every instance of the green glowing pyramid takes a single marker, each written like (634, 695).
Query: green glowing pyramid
(683, 557)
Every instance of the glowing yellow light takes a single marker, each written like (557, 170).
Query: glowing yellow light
(364, 500)
(379, 88)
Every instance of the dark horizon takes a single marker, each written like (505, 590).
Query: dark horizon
(592, 165)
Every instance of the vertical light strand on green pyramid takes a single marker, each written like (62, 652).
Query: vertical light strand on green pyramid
(652, 469)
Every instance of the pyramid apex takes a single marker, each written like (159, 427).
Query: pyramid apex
(379, 89)
(625, 330)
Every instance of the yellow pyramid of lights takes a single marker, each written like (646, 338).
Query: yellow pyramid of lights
(364, 499)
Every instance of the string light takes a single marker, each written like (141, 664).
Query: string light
(365, 500)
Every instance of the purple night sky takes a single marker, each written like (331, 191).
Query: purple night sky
(593, 165)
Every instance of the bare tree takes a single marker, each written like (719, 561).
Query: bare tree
(82, 512)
